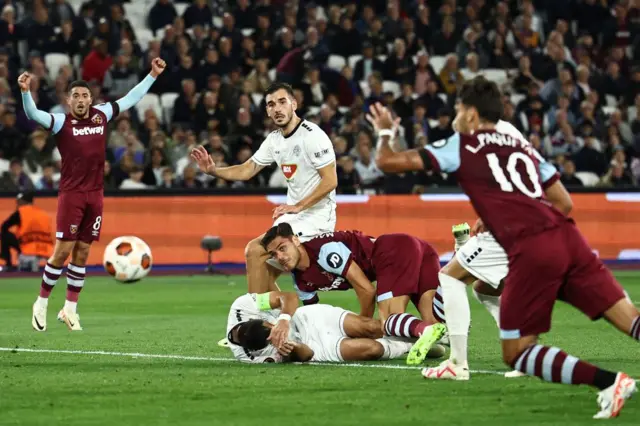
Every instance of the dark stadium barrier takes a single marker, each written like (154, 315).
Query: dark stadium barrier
(174, 222)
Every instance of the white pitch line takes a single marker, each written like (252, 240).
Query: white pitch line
(215, 359)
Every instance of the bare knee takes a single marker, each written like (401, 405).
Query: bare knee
(80, 253)
(453, 269)
(254, 249)
(512, 348)
(484, 288)
(374, 328)
(61, 252)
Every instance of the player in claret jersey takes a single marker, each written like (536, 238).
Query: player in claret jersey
(404, 267)
(81, 138)
(548, 257)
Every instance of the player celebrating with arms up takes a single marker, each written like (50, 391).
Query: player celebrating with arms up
(548, 257)
(305, 155)
(81, 138)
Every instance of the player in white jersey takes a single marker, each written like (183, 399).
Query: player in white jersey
(320, 333)
(304, 153)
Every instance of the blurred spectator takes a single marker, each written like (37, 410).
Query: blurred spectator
(109, 178)
(153, 171)
(15, 180)
(37, 155)
(40, 33)
(168, 180)
(472, 68)
(450, 76)
(568, 176)
(97, 63)
(161, 14)
(398, 66)
(348, 179)
(65, 42)
(189, 178)
(134, 181)
(366, 166)
(120, 78)
(443, 130)
(47, 181)
(199, 13)
(61, 11)
(444, 41)
(368, 64)
(13, 140)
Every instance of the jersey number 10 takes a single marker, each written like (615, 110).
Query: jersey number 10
(515, 178)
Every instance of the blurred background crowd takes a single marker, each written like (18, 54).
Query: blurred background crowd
(566, 67)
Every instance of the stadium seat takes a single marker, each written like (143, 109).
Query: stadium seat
(257, 98)
(588, 178)
(273, 74)
(391, 86)
(611, 100)
(353, 60)
(608, 110)
(144, 36)
(247, 32)
(336, 62)
(313, 111)
(632, 112)
(498, 76)
(437, 62)
(382, 58)
(55, 61)
(217, 22)
(444, 98)
(364, 86)
(166, 102)
(516, 98)
(149, 101)
(160, 34)
(180, 8)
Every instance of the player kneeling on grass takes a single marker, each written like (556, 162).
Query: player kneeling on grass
(405, 268)
(270, 327)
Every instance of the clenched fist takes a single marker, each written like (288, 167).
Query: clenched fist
(24, 81)
(157, 67)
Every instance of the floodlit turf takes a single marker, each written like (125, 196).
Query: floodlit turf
(186, 316)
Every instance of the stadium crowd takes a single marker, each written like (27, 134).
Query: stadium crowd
(566, 68)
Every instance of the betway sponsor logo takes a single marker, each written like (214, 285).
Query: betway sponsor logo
(88, 131)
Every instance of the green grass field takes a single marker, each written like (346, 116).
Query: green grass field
(185, 317)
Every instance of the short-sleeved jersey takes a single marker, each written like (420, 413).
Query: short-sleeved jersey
(245, 308)
(504, 177)
(82, 145)
(299, 155)
(330, 256)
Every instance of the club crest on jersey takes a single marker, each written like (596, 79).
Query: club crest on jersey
(96, 119)
(288, 170)
(73, 229)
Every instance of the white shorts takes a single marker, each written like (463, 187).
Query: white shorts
(308, 225)
(321, 327)
(484, 258)
(305, 226)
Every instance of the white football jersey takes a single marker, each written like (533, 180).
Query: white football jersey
(245, 308)
(299, 156)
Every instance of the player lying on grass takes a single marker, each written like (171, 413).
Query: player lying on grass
(405, 268)
(549, 258)
(81, 137)
(270, 327)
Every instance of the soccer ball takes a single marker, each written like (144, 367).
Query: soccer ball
(127, 259)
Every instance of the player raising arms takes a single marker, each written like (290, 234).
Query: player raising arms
(81, 138)
(548, 257)
(305, 155)
(405, 268)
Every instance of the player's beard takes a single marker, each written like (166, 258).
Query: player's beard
(80, 112)
(287, 120)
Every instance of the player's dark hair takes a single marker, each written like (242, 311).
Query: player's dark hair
(281, 230)
(484, 96)
(274, 87)
(252, 335)
(79, 83)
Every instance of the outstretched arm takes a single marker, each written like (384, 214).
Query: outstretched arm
(49, 121)
(287, 302)
(244, 171)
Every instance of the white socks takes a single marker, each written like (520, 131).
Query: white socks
(458, 316)
(394, 348)
(492, 303)
(70, 306)
(42, 301)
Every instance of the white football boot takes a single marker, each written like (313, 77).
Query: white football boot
(39, 318)
(71, 319)
(514, 374)
(447, 370)
(612, 399)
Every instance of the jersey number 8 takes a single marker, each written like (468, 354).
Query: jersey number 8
(515, 178)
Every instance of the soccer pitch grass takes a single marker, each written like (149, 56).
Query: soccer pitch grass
(184, 316)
